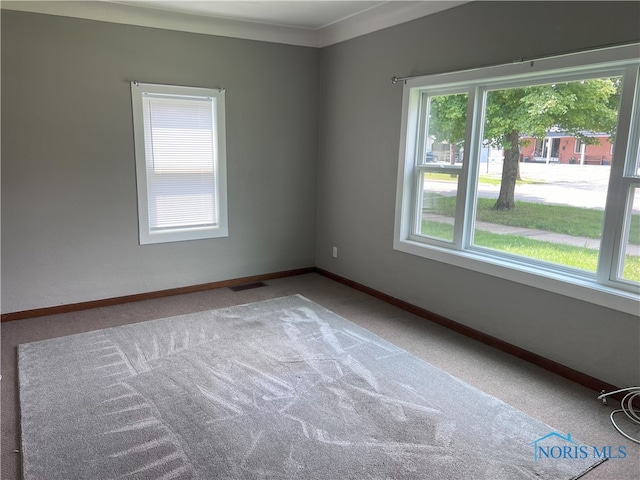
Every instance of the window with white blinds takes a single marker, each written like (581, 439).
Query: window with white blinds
(180, 162)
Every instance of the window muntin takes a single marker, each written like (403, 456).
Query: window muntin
(593, 283)
(180, 162)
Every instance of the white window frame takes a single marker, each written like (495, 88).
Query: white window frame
(603, 288)
(220, 226)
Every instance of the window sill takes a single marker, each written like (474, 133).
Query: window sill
(562, 284)
(185, 234)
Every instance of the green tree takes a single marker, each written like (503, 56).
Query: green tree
(572, 107)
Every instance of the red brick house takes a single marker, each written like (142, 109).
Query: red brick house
(557, 147)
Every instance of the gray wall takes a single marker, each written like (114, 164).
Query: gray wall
(359, 141)
(69, 221)
(69, 205)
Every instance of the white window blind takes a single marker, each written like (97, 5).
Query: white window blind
(179, 159)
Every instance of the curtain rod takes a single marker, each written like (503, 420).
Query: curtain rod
(532, 60)
(137, 83)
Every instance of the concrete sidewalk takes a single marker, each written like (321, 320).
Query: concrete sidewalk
(534, 234)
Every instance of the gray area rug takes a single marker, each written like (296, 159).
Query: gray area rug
(279, 389)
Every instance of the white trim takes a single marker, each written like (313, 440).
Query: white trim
(578, 288)
(385, 15)
(220, 229)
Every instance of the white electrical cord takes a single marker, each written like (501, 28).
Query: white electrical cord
(627, 408)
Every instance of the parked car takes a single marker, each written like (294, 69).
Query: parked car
(430, 157)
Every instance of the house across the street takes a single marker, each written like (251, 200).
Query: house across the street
(561, 147)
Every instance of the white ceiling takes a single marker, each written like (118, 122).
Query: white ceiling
(298, 22)
(298, 14)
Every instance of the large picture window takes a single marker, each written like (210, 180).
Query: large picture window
(474, 191)
(180, 162)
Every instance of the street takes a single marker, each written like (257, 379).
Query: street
(576, 185)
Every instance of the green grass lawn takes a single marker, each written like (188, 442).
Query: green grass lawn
(568, 220)
(574, 221)
(577, 257)
(481, 179)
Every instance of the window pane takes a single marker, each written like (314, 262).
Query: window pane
(438, 205)
(631, 259)
(179, 134)
(542, 200)
(178, 201)
(445, 130)
(439, 159)
(635, 124)
(637, 169)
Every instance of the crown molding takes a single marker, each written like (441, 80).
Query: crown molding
(383, 16)
(156, 18)
(380, 17)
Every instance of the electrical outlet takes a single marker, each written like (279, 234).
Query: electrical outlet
(335, 252)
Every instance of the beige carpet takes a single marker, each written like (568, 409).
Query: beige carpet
(570, 408)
